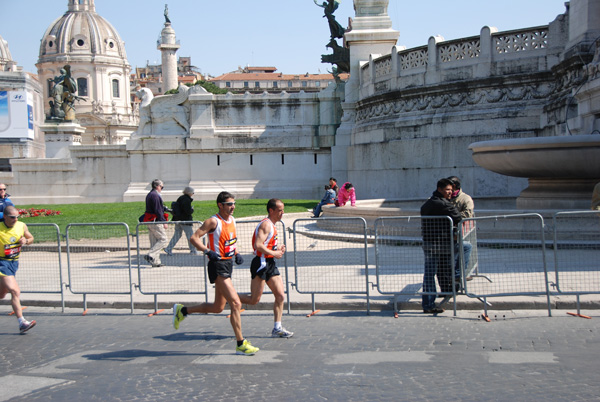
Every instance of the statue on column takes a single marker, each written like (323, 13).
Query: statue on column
(329, 6)
(167, 20)
(63, 96)
(341, 54)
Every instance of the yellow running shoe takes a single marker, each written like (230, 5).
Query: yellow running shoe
(246, 349)
(177, 315)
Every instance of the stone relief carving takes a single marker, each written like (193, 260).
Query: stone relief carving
(457, 99)
(459, 51)
(383, 66)
(414, 59)
(163, 115)
(521, 41)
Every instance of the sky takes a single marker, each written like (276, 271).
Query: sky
(221, 35)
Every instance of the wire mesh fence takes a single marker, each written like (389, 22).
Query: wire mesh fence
(577, 252)
(415, 255)
(40, 268)
(511, 257)
(330, 255)
(182, 268)
(241, 276)
(506, 257)
(99, 258)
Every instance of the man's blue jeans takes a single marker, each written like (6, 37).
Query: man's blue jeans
(467, 247)
(317, 209)
(439, 265)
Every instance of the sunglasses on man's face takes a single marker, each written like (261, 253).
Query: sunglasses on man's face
(229, 204)
(11, 216)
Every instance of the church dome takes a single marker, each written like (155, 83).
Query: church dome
(6, 61)
(82, 35)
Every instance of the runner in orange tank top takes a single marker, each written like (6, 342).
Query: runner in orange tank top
(263, 268)
(221, 251)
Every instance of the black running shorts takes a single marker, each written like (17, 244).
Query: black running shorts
(268, 270)
(219, 268)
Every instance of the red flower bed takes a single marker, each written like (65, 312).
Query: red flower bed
(32, 212)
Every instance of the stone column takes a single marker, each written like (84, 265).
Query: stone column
(371, 33)
(59, 136)
(168, 47)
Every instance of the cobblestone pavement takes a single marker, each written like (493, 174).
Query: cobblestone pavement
(334, 355)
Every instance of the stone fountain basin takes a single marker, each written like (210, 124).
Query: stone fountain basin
(575, 156)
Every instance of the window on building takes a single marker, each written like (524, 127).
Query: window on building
(228, 84)
(251, 159)
(304, 84)
(275, 84)
(246, 85)
(317, 83)
(82, 88)
(290, 84)
(257, 84)
(115, 89)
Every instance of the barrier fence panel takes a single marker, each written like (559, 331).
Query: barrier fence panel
(511, 259)
(40, 267)
(183, 268)
(241, 277)
(577, 252)
(330, 256)
(414, 255)
(99, 258)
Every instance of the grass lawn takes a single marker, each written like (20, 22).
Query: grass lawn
(129, 212)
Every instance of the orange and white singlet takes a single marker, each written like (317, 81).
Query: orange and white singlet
(270, 242)
(223, 240)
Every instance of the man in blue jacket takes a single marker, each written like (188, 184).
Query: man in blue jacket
(155, 212)
(4, 201)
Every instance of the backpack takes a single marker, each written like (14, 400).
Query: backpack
(176, 209)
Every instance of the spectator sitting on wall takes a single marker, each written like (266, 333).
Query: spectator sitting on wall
(346, 193)
(328, 198)
(334, 186)
(4, 200)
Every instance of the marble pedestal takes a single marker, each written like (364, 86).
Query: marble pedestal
(59, 136)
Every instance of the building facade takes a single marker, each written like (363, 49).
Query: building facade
(259, 79)
(93, 48)
(21, 112)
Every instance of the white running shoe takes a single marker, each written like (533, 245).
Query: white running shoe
(281, 333)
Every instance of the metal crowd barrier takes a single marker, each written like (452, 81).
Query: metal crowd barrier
(330, 256)
(183, 272)
(511, 258)
(40, 266)
(241, 276)
(99, 259)
(577, 253)
(507, 258)
(400, 255)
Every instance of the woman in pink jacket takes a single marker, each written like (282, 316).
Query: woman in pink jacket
(346, 193)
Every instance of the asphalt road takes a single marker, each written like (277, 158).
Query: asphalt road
(110, 355)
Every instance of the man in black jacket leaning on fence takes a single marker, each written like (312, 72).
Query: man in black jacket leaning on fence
(438, 243)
